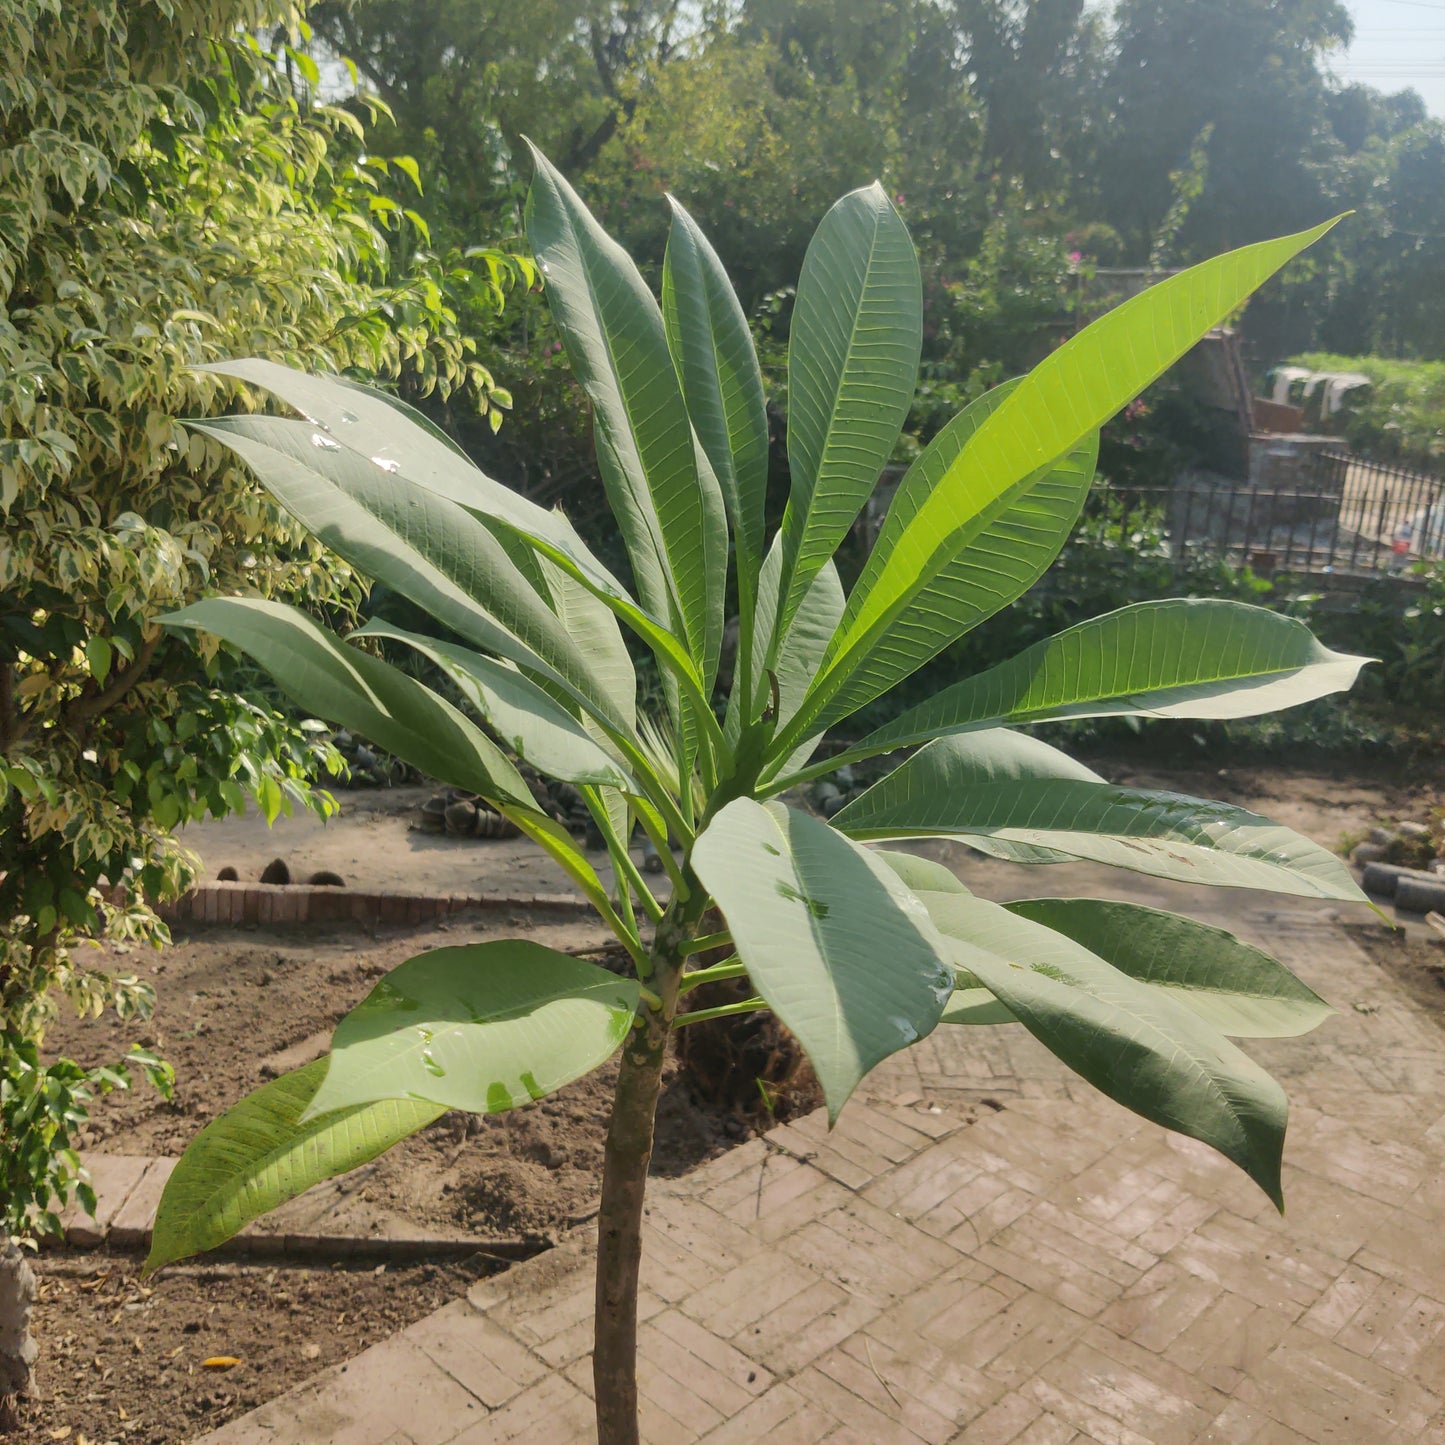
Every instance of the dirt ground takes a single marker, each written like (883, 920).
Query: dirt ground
(122, 1361)
(1415, 958)
(238, 1006)
(1326, 806)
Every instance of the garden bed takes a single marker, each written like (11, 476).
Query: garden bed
(233, 1004)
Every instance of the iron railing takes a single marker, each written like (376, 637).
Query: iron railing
(1340, 514)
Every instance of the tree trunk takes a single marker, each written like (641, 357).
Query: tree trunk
(624, 1182)
(17, 1349)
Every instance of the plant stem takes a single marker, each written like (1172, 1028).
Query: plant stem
(705, 941)
(729, 968)
(624, 1177)
(622, 860)
(722, 1011)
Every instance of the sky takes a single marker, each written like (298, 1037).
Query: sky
(1398, 45)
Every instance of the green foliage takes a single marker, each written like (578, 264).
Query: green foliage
(167, 198)
(42, 1107)
(1402, 416)
(859, 954)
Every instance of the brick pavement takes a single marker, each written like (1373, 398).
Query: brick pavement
(1040, 1269)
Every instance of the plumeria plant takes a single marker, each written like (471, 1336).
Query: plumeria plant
(860, 950)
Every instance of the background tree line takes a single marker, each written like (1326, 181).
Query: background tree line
(1029, 143)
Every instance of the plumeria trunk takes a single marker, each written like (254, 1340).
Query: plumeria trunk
(17, 1349)
(624, 1181)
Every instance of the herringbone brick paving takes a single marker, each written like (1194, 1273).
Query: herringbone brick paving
(1056, 1271)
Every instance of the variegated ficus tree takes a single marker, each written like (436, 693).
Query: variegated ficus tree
(859, 950)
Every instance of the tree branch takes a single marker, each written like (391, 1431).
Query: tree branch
(90, 705)
(7, 707)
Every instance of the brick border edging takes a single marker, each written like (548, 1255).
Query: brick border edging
(217, 902)
(129, 1189)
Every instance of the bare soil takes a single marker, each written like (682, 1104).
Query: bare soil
(1414, 958)
(238, 1006)
(122, 1360)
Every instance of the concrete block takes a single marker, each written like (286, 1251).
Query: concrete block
(1423, 894)
(113, 1177)
(1384, 878)
(133, 1223)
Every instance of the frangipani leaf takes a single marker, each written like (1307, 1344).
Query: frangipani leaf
(259, 1154)
(806, 640)
(536, 727)
(482, 1027)
(1070, 394)
(330, 680)
(1237, 988)
(832, 940)
(1002, 787)
(921, 875)
(403, 444)
(1182, 658)
(593, 629)
(853, 349)
(669, 508)
(428, 549)
(712, 347)
(409, 451)
(992, 571)
(1141, 1046)
(975, 1006)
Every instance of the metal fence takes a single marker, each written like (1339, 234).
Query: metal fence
(1339, 514)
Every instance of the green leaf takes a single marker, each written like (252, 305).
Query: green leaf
(975, 1007)
(1001, 788)
(1139, 1045)
(1237, 988)
(1070, 394)
(402, 443)
(669, 509)
(839, 948)
(853, 349)
(259, 1154)
(921, 875)
(327, 679)
(430, 550)
(98, 657)
(990, 572)
(530, 721)
(594, 632)
(712, 348)
(802, 647)
(482, 1027)
(1181, 658)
